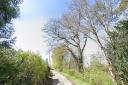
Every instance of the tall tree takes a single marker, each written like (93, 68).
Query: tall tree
(67, 30)
(9, 10)
(118, 52)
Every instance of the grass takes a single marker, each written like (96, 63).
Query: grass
(96, 74)
(74, 80)
(91, 77)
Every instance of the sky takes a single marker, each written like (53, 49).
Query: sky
(33, 16)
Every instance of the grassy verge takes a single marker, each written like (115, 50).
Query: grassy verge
(88, 77)
(75, 80)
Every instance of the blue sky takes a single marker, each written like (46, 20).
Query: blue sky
(43, 8)
(34, 14)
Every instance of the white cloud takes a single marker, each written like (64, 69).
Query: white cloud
(30, 36)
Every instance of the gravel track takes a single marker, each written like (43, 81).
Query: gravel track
(59, 79)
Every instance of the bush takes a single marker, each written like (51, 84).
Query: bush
(97, 74)
(21, 68)
(8, 69)
(32, 69)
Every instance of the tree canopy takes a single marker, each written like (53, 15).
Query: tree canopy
(9, 10)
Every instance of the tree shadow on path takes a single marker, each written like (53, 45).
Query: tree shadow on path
(51, 81)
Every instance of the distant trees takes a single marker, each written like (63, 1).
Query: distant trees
(9, 10)
(58, 57)
(118, 52)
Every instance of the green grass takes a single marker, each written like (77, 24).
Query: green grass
(96, 74)
(74, 80)
(91, 76)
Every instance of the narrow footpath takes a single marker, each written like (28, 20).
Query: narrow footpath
(59, 79)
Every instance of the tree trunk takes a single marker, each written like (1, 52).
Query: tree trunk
(80, 65)
(80, 60)
(105, 55)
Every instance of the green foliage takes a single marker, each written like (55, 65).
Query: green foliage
(57, 56)
(118, 52)
(9, 10)
(32, 69)
(96, 74)
(22, 68)
(8, 69)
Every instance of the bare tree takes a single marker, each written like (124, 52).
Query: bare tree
(67, 30)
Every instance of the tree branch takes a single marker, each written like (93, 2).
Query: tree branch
(85, 42)
(72, 53)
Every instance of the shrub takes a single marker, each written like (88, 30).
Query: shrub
(21, 68)
(8, 69)
(97, 74)
(32, 69)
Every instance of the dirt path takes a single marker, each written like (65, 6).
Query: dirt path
(59, 79)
